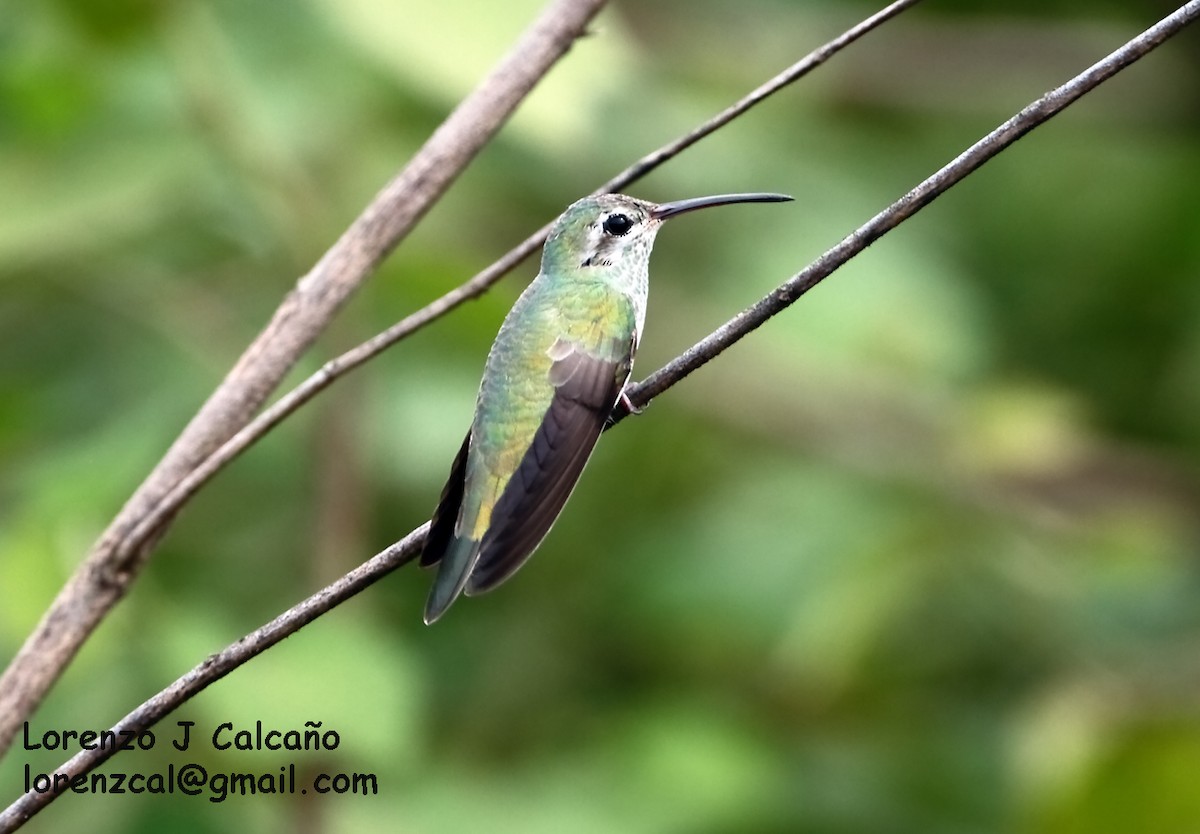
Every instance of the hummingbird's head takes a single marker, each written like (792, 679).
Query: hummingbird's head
(600, 231)
(609, 230)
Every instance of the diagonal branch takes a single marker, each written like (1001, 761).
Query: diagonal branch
(220, 664)
(216, 666)
(922, 195)
(109, 568)
(157, 517)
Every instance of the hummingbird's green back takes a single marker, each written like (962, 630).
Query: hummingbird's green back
(552, 318)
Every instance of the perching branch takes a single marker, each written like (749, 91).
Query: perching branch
(222, 663)
(146, 516)
(161, 514)
(113, 562)
(965, 163)
(216, 666)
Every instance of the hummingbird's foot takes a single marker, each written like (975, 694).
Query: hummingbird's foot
(628, 403)
(623, 402)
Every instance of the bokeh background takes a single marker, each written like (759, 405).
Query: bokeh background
(919, 555)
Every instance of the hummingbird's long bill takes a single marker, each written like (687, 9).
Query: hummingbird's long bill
(554, 373)
(665, 210)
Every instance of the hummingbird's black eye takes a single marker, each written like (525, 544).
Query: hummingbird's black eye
(617, 224)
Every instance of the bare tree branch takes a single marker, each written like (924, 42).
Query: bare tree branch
(220, 664)
(146, 516)
(216, 666)
(922, 195)
(153, 522)
(111, 566)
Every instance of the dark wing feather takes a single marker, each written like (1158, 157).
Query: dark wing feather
(441, 529)
(586, 388)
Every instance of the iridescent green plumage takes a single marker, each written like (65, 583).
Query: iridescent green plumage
(554, 373)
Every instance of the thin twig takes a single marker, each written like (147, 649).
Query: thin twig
(109, 568)
(216, 666)
(153, 522)
(922, 195)
(222, 663)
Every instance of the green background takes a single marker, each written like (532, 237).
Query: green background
(919, 555)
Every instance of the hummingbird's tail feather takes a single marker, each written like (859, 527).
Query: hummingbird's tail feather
(453, 572)
(455, 556)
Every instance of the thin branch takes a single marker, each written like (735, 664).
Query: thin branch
(216, 666)
(759, 94)
(968, 161)
(153, 522)
(109, 568)
(220, 664)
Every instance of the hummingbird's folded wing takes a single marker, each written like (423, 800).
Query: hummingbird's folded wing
(586, 388)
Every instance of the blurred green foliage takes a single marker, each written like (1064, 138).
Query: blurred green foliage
(919, 555)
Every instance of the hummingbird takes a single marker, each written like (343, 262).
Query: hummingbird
(557, 368)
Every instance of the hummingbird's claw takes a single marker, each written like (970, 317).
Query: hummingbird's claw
(623, 402)
(628, 403)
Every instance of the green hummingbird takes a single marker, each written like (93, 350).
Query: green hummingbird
(556, 370)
